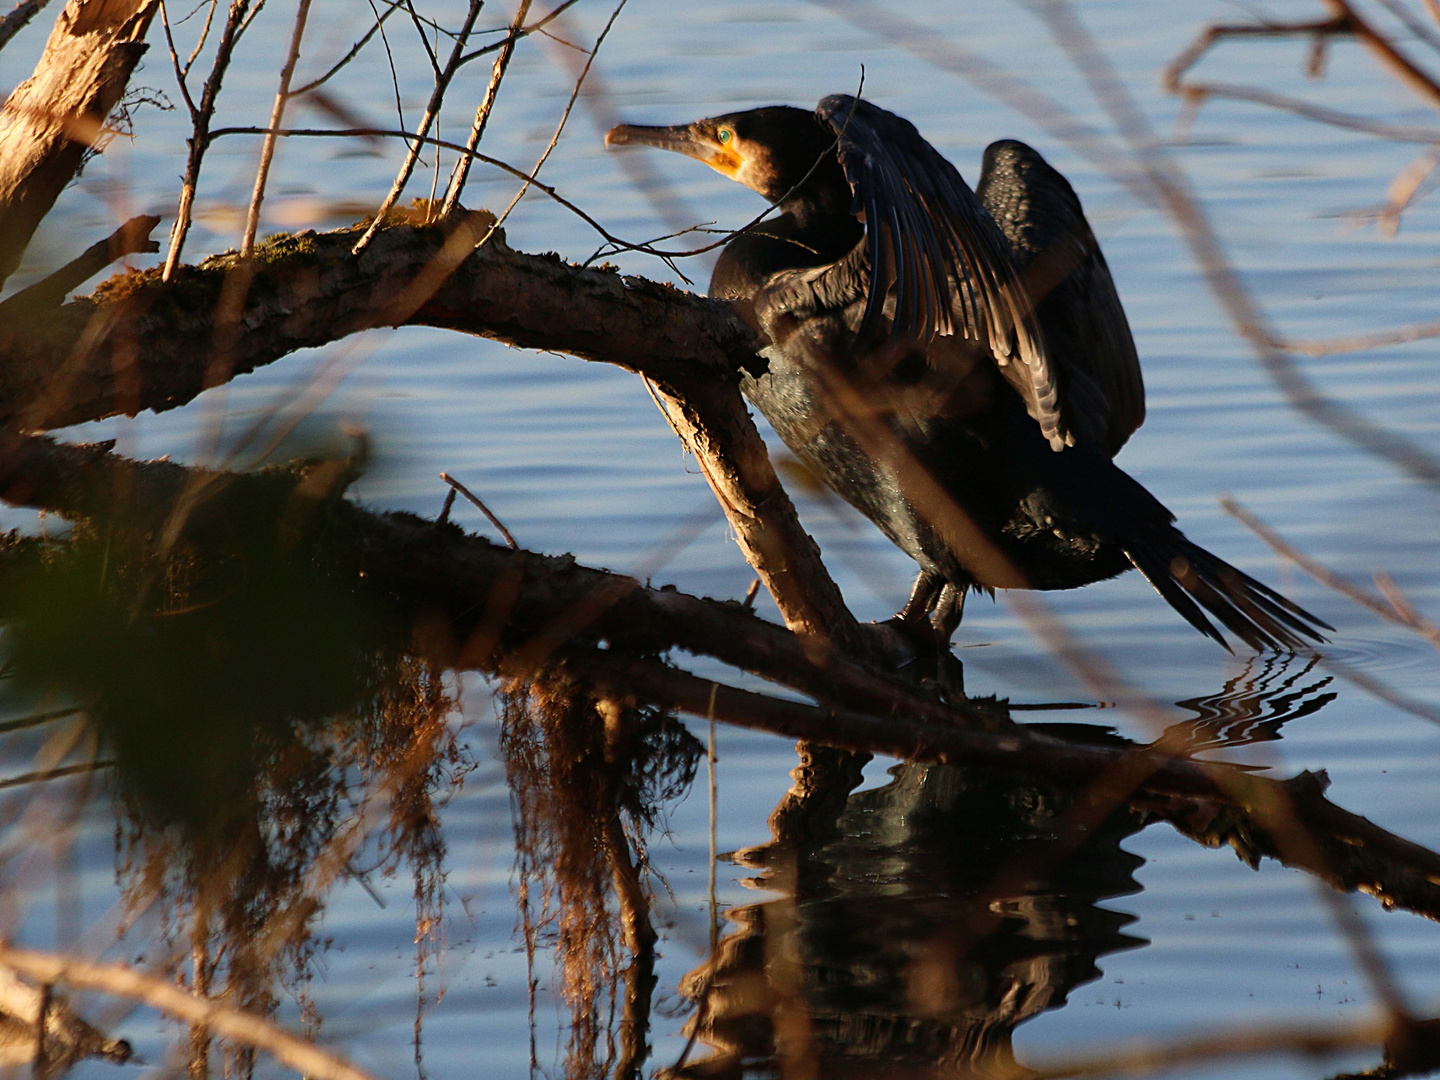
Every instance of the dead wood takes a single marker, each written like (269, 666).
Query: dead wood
(132, 238)
(17, 18)
(67, 1037)
(58, 115)
(473, 604)
(301, 291)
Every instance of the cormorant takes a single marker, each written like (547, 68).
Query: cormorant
(955, 364)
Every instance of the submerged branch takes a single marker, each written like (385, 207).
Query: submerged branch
(471, 604)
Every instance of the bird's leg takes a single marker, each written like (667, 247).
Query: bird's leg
(945, 615)
(907, 634)
(946, 612)
(923, 596)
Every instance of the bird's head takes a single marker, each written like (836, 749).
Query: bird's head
(769, 150)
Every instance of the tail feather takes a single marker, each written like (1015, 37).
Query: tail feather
(1190, 578)
(1155, 568)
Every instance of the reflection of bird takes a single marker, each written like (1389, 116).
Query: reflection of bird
(898, 939)
(1252, 707)
(911, 370)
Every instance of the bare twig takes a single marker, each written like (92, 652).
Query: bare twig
(390, 62)
(200, 136)
(443, 77)
(56, 773)
(132, 238)
(1197, 93)
(482, 114)
(210, 6)
(1409, 185)
(1358, 342)
(350, 54)
(456, 485)
(444, 515)
(181, 70)
(277, 117)
(18, 17)
(1173, 188)
(559, 126)
(1411, 75)
(537, 26)
(1411, 23)
(1319, 29)
(249, 1029)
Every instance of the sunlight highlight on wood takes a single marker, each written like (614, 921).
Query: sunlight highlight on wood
(243, 1027)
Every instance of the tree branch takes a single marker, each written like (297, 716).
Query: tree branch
(132, 238)
(17, 18)
(58, 115)
(472, 604)
(85, 362)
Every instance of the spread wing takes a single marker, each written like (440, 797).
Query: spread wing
(1102, 394)
(938, 265)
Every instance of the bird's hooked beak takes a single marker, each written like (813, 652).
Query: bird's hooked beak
(701, 140)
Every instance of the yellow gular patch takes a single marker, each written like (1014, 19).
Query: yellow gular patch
(726, 162)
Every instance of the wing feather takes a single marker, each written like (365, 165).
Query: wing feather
(936, 255)
(1075, 299)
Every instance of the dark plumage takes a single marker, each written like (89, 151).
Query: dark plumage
(955, 364)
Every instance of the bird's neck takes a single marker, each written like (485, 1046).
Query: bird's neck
(823, 209)
(819, 227)
(809, 232)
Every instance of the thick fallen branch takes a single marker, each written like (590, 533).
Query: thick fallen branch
(85, 362)
(306, 290)
(477, 605)
(58, 115)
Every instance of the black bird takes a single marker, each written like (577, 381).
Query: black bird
(956, 364)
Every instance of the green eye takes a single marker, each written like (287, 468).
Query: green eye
(724, 135)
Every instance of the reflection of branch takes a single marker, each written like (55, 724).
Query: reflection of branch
(1213, 804)
(245, 1028)
(427, 569)
(479, 606)
(1235, 1042)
